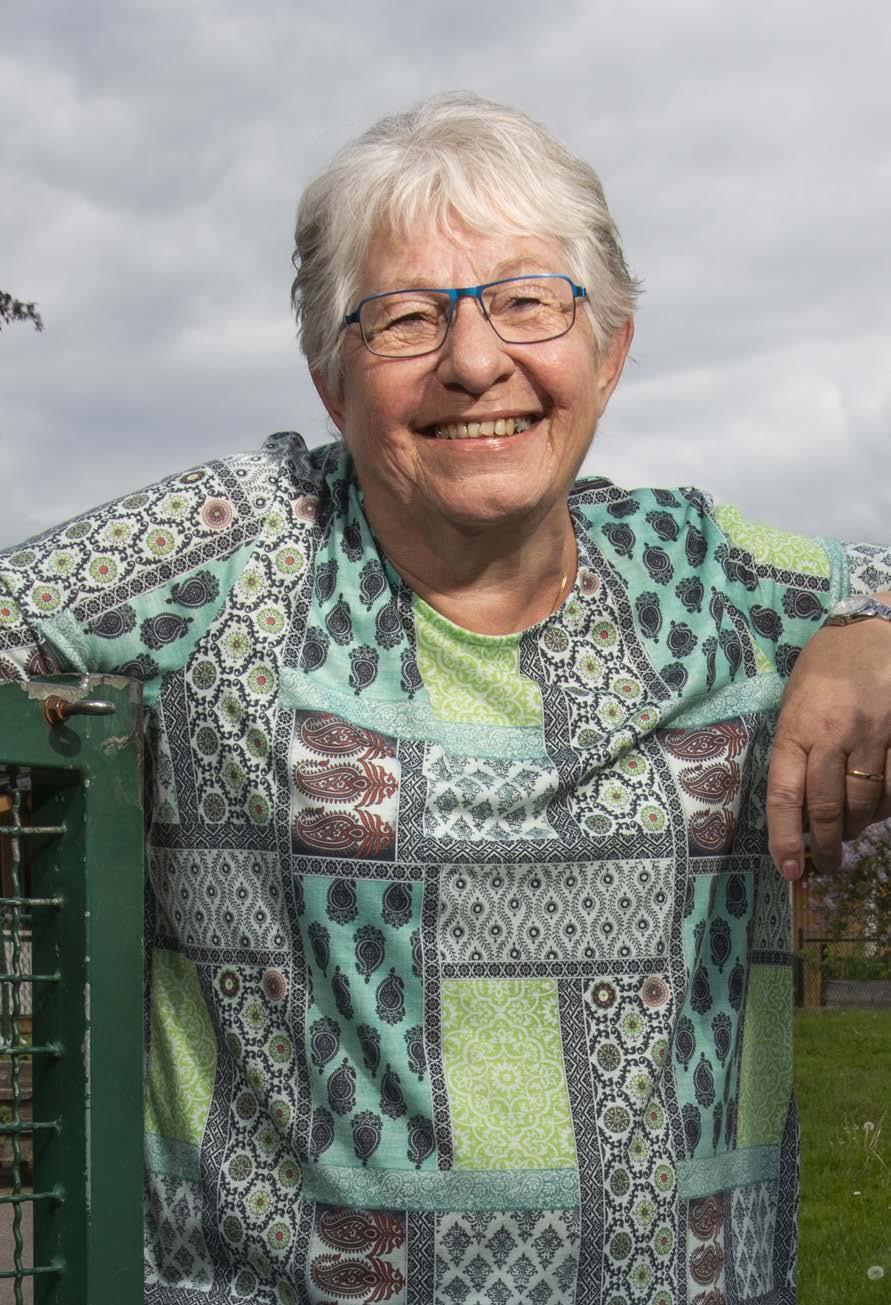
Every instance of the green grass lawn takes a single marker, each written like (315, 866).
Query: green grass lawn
(843, 1082)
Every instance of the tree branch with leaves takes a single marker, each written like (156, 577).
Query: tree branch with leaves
(16, 310)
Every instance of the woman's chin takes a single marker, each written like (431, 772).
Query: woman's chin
(488, 503)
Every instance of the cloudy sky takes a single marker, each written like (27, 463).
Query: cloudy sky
(152, 153)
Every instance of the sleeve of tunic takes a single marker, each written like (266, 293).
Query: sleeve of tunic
(722, 605)
(800, 576)
(132, 586)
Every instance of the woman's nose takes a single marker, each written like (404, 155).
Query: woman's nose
(472, 356)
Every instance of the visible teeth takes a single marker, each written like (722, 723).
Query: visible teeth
(472, 430)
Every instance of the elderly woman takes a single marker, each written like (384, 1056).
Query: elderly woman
(469, 968)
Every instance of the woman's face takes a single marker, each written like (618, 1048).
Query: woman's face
(389, 409)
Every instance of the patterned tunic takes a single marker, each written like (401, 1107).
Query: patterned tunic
(469, 975)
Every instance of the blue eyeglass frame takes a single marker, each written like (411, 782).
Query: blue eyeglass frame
(464, 292)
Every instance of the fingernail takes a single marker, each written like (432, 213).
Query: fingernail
(790, 870)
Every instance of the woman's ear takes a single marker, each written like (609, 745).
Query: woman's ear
(333, 401)
(610, 368)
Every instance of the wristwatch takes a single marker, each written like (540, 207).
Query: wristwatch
(859, 608)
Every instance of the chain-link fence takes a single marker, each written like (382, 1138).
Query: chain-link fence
(71, 831)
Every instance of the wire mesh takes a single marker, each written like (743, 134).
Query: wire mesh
(71, 852)
(17, 1052)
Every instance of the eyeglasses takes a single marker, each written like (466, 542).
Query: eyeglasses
(520, 310)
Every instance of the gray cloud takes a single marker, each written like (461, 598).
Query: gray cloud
(158, 149)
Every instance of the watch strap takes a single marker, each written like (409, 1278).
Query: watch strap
(869, 609)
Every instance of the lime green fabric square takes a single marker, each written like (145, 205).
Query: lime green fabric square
(473, 678)
(504, 1073)
(182, 1054)
(771, 547)
(765, 1075)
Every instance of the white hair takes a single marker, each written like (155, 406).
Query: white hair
(456, 155)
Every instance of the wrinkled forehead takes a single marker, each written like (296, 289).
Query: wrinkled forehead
(453, 253)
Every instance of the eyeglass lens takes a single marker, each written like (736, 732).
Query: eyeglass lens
(525, 310)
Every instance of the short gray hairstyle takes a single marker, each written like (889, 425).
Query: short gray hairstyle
(454, 155)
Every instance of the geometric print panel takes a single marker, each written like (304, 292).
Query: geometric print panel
(771, 926)
(869, 567)
(754, 1213)
(165, 773)
(223, 900)
(629, 1021)
(486, 798)
(503, 1063)
(253, 1134)
(621, 797)
(495, 1258)
(555, 912)
(175, 1250)
(590, 652)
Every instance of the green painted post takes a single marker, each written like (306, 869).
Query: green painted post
(86, 780)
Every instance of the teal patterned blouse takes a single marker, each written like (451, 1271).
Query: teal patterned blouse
(469, 973)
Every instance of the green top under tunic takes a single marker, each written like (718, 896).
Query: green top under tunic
(469, 972)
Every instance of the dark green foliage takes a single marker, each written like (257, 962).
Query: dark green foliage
(15, 310)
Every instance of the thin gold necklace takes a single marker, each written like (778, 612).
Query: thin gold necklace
(562, 582)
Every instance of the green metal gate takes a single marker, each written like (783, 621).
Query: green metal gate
(71, 833)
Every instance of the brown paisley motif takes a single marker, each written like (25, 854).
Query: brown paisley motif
(734, 734)
(712, 831)
(728, 737)
(694, 745)
(706, 1264)
(371, 1279)
(707, 1216)
(365, 786)
(325, 733)
(346, 1230)
(333, 783)
(718, 783)
(375, 1231)
(362, 834)
(390, 1232)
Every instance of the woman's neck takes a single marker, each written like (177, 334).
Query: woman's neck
(492, 580)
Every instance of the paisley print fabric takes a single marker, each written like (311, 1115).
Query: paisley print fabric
(468, 972)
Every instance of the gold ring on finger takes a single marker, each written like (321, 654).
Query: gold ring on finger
(866, 774)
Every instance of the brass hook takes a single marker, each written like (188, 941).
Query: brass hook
(56, 710)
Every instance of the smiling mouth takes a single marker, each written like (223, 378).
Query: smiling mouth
(474, 430)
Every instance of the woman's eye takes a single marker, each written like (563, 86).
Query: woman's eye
(522, 304)
(417, 317)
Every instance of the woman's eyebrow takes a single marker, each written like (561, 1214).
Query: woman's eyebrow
(421, 281)
(407, 281)
(516, 267)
